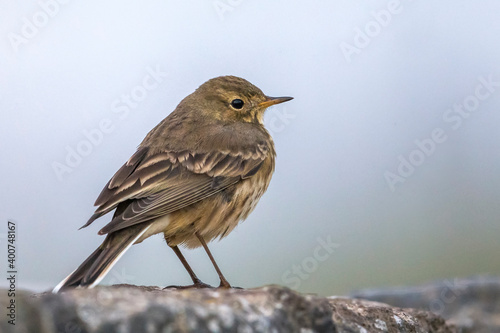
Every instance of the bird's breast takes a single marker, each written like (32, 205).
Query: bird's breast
(217, 215)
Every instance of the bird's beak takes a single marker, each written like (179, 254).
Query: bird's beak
(274, 100)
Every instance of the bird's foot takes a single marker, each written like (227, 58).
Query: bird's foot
(225, 285)
(196, 285)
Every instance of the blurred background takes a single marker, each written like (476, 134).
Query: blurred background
(388, 157)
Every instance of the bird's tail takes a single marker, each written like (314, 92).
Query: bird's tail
(99, 263)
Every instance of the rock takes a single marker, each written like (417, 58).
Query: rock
(351, 315)
(126, 308)
(472, 305)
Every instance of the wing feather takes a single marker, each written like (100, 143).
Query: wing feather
(165, 202)
(124, 172)
(158, 183)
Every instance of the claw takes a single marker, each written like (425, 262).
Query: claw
(199, 285)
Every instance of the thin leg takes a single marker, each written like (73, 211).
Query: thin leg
(223, 281)
(196, 282)
(186, 265)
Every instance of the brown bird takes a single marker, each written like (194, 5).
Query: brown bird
(194, 177)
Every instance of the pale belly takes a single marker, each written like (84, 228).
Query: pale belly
(215, 216)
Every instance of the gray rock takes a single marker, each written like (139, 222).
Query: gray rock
(472, 305)
(125, 308)
(352, 315)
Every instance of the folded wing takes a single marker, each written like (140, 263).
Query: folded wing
(150, 185)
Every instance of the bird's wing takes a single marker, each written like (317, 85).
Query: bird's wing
(159, 183)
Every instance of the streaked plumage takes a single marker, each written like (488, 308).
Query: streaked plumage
(194, 177)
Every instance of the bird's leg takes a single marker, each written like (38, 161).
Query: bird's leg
(196, 282)
(223, 281)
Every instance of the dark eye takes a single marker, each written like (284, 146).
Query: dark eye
(237, 103)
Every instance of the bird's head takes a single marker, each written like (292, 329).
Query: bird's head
(230, 98)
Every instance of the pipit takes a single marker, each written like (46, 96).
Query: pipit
(194, 177)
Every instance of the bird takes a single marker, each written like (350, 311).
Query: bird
(194, 178)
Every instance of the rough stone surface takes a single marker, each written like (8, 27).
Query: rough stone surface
(352, 315)
(125, 308)
(472, 305)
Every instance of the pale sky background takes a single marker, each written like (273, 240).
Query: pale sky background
(372, 82)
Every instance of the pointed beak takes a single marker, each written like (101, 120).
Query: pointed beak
(274, 100)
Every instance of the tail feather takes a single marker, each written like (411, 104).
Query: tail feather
(100, 262)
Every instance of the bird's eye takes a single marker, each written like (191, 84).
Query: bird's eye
(237, 103)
